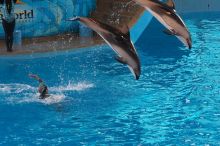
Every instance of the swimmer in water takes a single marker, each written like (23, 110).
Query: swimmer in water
(42, 88)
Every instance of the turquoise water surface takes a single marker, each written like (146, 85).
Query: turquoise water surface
(96, 101)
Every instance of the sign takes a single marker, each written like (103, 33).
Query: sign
(36, 18)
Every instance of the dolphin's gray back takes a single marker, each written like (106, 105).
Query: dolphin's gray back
(115, 36)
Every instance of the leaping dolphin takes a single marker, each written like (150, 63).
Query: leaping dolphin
(119, 41)
(166, 14)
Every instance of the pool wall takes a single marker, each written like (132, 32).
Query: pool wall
(185, 6)
(138, 28)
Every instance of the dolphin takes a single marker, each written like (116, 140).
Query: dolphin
(166, 14)
(118, 40)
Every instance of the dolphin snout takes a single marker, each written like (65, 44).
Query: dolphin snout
(137, 76)
(189, 42)
(137, 73)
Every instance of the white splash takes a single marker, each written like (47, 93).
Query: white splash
(15, 88)
(73, 87)
(33, 98)
(28, 94)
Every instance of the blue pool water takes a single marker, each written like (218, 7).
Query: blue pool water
(96, 101)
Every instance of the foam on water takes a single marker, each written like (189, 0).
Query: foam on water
(15, 88)
(28, 94)
(31, 98)
(73, 87)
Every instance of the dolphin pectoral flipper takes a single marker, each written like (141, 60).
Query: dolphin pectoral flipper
(171, 4)
(120, 59)
(169, 32)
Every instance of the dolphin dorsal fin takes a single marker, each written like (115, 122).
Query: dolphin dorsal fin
(171, 4)
(125, 31)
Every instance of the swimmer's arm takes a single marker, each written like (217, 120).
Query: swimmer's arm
(36, 77)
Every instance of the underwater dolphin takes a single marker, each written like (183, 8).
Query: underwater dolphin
(166, 14)
(119, 41)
